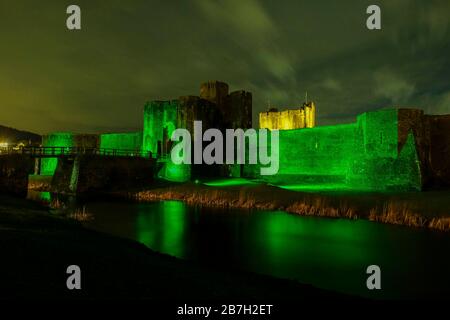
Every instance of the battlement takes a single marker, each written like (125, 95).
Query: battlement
(303, 117)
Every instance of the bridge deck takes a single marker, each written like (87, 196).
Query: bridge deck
(57, 152)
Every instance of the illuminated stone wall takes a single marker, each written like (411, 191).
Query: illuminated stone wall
(65, 140)
(160, 119)
(304, 117)
(122, 141)
(57, 139)
(322, 151)
(364, 155)
(215, 107)
(175, 172)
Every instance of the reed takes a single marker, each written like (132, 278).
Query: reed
(398, 213)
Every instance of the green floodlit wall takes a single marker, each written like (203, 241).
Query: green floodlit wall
(158, 115)
(58, 139)
(323, 151)
(361, 155)
(122, 141)
(175, 172)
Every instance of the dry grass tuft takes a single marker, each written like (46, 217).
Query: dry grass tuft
(81, 215)
(57, 204)
(401, 214)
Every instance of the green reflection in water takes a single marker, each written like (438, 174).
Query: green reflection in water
(164, 227)
(322, 247)
(40, 196)
(333, 239)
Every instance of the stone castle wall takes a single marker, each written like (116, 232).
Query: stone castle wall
(388, 149)
(122, 141)
(303, 117)
(215, 107)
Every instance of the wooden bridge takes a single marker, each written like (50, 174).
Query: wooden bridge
(62, 152)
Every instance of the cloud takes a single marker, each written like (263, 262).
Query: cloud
(443, 104)
(100, 78)
(241, 18)
(392, 86)
(331, 84)
(249, 25)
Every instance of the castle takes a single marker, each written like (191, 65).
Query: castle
(215, 107)
(386, 149)
(303, 117)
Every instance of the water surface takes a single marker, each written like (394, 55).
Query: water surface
(327, 253)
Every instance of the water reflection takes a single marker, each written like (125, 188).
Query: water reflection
(164, 229)
(42, 197)
(327, 253)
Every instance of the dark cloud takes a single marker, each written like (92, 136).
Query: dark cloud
(129, 52)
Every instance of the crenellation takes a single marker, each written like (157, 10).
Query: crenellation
(303, 117)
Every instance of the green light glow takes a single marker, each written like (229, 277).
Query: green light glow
(45, 196)
(164, 227)
(318, 242)
(228, 182)
(175, 172)
(121, 141)
(57, 139)
(158, 115)
(358, 156)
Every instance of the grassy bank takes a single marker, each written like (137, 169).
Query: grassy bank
(37, 248)
(393, 209)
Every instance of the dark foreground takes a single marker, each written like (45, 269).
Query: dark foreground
(37, 248)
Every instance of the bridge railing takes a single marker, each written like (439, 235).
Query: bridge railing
(73, 151)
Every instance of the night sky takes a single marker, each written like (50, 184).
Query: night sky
(128, 52)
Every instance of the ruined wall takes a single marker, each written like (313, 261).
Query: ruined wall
(215, 92)
(121, 141)
(214, 107)
(238, 112)
(192, 108)
(439, 150)
(160, 119)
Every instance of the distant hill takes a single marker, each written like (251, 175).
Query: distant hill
(12, 135)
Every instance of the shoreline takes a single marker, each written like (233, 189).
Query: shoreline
(38, 247)
(379, 208)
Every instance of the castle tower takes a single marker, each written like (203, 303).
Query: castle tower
(215, 92)
(310, 114)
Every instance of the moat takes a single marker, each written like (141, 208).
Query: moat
(326, 253)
